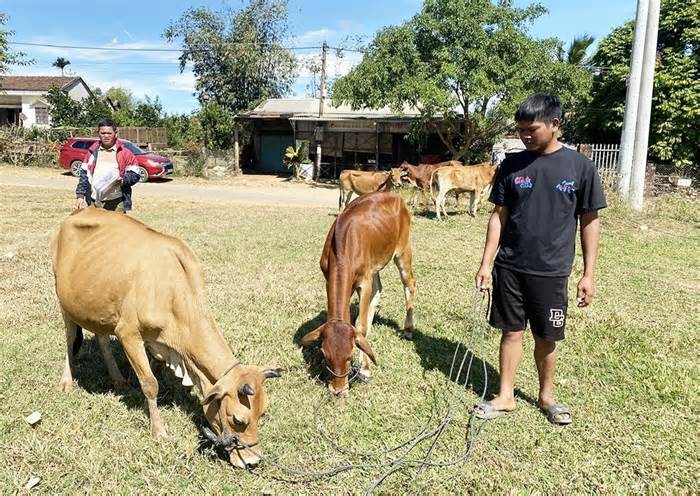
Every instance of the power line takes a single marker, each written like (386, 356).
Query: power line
(126, 49)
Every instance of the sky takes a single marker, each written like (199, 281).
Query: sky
(132, 24)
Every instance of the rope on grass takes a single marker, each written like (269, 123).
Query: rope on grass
(452, 383)
(453, 391)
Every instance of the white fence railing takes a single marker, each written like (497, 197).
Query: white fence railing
(606, 158)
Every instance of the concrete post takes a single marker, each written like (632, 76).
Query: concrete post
(632, 100)
(317, 167)
(322, 89)
(236, 154)
(646, 90)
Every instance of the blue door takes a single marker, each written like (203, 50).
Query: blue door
(272, 148)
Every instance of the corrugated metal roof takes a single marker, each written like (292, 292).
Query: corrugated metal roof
(307, 109)
(509, 145)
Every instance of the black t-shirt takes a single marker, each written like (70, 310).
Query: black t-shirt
(544, 194)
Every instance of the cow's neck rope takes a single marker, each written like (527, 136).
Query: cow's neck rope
(228, 443)
(229, 370)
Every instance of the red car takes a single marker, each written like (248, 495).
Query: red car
(151, 166)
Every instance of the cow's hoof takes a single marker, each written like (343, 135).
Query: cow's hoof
(66, 386)
(160, 435)
(407, 335)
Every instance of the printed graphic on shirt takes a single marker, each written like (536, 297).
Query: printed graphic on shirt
(523, 182)
(567, 186)
(556, 317)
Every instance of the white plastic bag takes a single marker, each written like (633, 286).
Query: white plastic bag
(104, 184)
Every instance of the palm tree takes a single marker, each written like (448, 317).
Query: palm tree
(61, 63)
(576, 53)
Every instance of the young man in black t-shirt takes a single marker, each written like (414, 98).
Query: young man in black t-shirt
(540, 194)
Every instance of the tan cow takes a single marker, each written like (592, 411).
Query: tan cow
(116, 276)
(419, 176)
(361, 183)
(474, 179)
(373, 230)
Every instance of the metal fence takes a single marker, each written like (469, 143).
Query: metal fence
(606, 158)
(145, 136)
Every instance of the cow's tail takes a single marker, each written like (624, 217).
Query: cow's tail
(432, 178)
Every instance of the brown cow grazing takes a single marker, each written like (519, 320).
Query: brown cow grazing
(419, 175)
(475, 179)
(373, 230)
(361, 183)
(114, 275)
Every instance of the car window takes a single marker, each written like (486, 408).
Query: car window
(133, 148)
(82, 144)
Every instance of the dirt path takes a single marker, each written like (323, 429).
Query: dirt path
(250, 190)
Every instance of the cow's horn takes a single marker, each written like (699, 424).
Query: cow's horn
(272, 372)
(246, 389)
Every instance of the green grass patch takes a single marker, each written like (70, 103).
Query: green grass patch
(628, 367)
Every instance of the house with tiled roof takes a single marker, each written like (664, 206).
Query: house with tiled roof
(23, 98)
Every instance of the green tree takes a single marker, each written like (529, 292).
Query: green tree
(121, 97)
(675, 117)
(148, 112)
(7, 57)
(61, 63)
(577, 52)
(132, 111)
(218, 126)
(66, 112)
(470, 62)
(237, 56)
(184, 130)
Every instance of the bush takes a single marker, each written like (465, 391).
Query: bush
(27, 147)
(183, 130)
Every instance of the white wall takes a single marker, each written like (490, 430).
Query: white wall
(30, 112)
(78, 92)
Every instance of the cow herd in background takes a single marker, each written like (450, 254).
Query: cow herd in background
(108, 266)
(437, 180)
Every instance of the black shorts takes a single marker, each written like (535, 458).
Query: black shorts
(521, 298)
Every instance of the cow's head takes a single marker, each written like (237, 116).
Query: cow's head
(395, 176)
(233, 407)
(338, 340)
(406, 174)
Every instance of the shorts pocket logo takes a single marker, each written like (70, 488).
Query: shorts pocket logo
(556, 317)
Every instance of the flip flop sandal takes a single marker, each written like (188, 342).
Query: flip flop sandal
(555, 412)
(486, 411)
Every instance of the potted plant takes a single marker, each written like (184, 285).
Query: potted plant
(297, 159)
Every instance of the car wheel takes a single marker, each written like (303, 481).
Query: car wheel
(143, 175)
(75, 167)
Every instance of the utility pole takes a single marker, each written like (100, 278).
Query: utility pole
(641, 139)
(632, 101)
(321, 104)
(322, 92)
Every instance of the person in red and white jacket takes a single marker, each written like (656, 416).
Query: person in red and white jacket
(109, 171)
